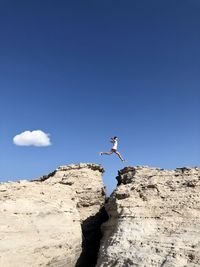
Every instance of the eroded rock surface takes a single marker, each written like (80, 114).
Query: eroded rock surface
(41, 221)
(86, 181)
(154, 219)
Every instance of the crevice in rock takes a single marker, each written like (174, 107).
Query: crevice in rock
(91, 230)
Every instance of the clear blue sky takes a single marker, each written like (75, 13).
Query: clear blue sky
(87, 70)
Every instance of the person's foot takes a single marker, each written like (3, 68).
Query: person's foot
(100, 153)
(123, 160)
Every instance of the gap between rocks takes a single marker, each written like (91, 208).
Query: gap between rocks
(91, 231)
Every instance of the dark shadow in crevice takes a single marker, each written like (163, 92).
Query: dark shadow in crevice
(91, 230)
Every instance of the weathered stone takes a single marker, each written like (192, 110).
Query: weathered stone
(154, 219)
(41, 222)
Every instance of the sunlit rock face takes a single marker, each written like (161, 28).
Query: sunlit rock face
(41, 221)
(154, 219)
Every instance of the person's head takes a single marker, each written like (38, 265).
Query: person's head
(115, 138)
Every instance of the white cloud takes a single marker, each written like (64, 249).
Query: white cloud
(32, 138)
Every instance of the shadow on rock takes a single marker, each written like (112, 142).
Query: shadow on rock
(91, 230)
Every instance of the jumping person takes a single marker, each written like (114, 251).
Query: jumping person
(114, 141)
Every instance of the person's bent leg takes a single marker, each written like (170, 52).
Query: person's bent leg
(119, 155)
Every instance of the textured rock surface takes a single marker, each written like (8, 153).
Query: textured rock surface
(154, 219)
(87, 184)
(40, 221)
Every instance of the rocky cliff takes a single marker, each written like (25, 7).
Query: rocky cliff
(154, 219)
(52, 221)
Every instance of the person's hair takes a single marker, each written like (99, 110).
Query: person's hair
(114, 137)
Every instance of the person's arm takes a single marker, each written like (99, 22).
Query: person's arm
(112, 140)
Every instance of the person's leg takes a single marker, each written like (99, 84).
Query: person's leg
(106, 153)
(119, 155)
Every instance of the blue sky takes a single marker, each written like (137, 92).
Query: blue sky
(84, 71)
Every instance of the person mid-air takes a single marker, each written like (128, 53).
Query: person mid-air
(114, 141)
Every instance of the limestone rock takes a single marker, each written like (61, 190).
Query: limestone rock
(86, 181)
(41, 221)
(154, 219)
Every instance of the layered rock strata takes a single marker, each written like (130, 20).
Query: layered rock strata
(154, 219)
(42, 222)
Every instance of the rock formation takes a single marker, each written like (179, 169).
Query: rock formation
(53, 220)
(154, 219)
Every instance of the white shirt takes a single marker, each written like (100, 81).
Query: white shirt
(115, 144)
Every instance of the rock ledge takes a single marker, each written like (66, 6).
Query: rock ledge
(154, 219)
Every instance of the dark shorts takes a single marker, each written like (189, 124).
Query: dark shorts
(113, 150)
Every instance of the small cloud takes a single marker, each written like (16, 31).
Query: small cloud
(32, 138)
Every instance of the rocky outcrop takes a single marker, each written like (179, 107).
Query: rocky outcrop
(43, 222)
(86, 181)
(154, 219)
